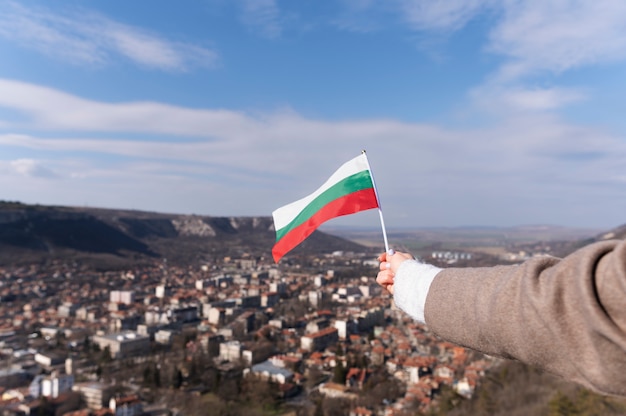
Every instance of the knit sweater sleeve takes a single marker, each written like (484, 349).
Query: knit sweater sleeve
(411, 284)
(565, 316)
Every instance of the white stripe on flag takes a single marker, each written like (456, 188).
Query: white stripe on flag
(285, 214)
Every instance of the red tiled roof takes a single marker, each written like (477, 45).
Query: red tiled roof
(322, 333)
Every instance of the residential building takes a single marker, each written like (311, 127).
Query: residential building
(230, 351)
(13, 377)
(126, 297)
(126, 406)
(36, 388)
(49, 359)
(123, 344)
(268, 371)
(54, 385)
(319, 340)
(95, 394)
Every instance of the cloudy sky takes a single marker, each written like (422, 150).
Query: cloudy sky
(472, 112)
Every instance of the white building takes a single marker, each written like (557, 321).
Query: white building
(67, 309)
(95, 394)
(51, 386)
(217, 316)
(315, 297)
(268, 371)
(319, 340)
(230, 350)
(164, 336)
(126, 297)
(342, 328)
(123, 344)
(54, 385)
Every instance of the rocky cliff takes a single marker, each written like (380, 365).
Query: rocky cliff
(34, 233)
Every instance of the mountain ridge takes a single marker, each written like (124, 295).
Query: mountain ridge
(117, 237)
(120, 237)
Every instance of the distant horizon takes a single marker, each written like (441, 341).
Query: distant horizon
(436, 227)
(335, 224)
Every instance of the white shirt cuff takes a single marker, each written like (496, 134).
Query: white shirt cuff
(410, 287)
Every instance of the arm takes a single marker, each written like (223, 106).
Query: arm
(565, 316)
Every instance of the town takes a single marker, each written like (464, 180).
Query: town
(240, 336)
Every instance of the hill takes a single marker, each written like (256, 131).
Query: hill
(108, 238)
(493, 244)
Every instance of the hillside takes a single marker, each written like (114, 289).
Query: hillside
(108, 238)
(116, 238)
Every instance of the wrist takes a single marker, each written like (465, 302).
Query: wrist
(411, 284)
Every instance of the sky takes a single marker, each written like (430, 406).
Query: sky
(472, 112)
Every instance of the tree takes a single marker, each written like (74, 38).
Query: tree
(60, 340)
(87, 345)
(315, 376)
(151, 376)
(319, 409)
(335, 407)
(339, 351)
(105, 355)
(228, 388)
(380, 386)
(485, 402)
(589, 403)
(339, 373)
(561, 405)
(177, 379)
(45, 408)
(258, 392)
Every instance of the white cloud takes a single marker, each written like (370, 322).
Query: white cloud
(30, 168)
(556, 36)
(496, 98)
(533, 35)
(219, 134)
(262, 16)
(90, 38)
(56, 110)
(233, 158)
(360, 16)
(48, 33)
(152, 51)
(450, 15)
(535, 39)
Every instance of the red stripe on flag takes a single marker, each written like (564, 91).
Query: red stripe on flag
(349, 204)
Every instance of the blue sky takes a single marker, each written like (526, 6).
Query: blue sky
(472, 112)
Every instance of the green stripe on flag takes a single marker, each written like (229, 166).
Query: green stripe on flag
(357, 182)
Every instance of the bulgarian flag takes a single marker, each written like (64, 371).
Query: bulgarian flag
(349, 190)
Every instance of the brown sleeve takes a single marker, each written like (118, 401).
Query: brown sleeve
(566, 316)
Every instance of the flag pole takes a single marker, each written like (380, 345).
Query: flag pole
(380, 211)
